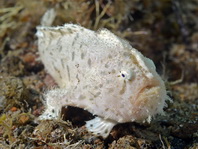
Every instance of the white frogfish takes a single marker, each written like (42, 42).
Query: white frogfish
(100, 73)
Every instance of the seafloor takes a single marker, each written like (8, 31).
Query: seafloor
(164, 30)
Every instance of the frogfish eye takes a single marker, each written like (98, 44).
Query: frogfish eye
(123, 75)
(127, 75)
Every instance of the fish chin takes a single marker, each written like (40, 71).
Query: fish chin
(150, 101)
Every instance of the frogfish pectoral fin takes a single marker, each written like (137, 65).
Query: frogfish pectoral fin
(100, 126)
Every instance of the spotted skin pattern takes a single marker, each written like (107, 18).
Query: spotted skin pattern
(101, 73)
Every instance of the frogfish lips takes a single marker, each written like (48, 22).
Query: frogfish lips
(149, 102)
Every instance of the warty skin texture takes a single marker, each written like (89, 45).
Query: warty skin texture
(101, 73)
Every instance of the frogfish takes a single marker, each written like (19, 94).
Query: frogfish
(101, 73)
